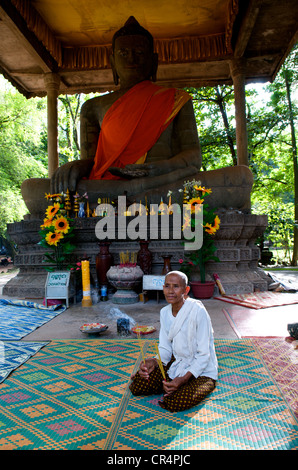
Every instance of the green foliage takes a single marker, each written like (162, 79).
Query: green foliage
(214, 108)
(69, 116)
(280, 229)
(21, 153)
(12, 208)
(270, 143)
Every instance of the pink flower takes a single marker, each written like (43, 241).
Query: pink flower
(180, 260)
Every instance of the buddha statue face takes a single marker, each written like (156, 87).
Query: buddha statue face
(133, 59)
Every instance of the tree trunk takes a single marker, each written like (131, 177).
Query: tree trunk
(294, 152)
(220, 102)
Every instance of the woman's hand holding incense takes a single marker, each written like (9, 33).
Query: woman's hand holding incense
(173, 385)
(147, 367)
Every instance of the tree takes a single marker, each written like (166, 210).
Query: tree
(22, 152)
(214, 108)
(283, 106)
(68, 122)
(288, 76)
(69, 115)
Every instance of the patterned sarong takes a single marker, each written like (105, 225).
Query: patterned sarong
(187, 396)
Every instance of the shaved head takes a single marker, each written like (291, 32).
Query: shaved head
(182, 276)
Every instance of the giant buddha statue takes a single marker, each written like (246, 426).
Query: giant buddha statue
(140, 140)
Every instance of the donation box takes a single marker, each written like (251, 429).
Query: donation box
(58, 286)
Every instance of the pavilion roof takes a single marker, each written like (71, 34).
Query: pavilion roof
(195, 40)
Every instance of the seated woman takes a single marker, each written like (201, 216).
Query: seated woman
(186, 348)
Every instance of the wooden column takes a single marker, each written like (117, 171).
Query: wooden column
(237, 68)
(52, 83)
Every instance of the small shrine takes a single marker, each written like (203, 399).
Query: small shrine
(237, 253)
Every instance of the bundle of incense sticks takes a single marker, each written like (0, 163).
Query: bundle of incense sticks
(160, 363)
(218, 282)
(140, 342)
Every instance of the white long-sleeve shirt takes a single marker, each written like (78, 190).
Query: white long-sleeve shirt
(189, 338)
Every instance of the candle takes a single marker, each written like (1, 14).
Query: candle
(152, 211)
(169, 206)
(162, 207)
(88, 209)
(86, 301)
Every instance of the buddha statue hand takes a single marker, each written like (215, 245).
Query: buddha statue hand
(131, 171)
(141, 170)
(68, 175)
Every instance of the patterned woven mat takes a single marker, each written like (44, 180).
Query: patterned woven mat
(259, 300)
(268, 322)
(15, 353)
(281, 359)
(18, 318)
(73, 395)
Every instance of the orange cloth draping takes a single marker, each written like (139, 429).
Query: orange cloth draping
(133, 124)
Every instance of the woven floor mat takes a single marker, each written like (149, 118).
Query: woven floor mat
(267, 323)
(73, 394)
(18, 318)
(259, 300)
(15, 353)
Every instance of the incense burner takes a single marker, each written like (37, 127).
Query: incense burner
(125, 279)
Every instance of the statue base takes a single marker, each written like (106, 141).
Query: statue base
(124, 297)
(235, 241)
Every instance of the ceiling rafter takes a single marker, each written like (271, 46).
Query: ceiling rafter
(195, 42)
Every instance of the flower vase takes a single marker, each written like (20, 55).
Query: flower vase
(81, 210)
(202, 290)
(104, 261)
(144, 257)
(166, 264)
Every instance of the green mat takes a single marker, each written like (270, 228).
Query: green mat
(73, 394)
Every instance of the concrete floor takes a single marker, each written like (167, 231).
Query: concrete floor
(67, 325)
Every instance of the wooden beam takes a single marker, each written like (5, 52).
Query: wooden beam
(247, 27)
(18, 26)
(6, 74)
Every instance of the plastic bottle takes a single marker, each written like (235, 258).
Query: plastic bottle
(104, 293)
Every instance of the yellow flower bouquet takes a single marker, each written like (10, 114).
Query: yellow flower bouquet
(56, 233)
(195, 195)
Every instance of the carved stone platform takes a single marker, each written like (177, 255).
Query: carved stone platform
(235, 241)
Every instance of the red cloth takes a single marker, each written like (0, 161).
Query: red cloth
(132, 125)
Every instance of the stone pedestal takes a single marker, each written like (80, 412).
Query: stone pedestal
(235, 241)
(238, 267)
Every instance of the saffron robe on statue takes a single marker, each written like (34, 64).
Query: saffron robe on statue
(186, 344)
(133, 124)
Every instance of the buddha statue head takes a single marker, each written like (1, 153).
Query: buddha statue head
(133, 58)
